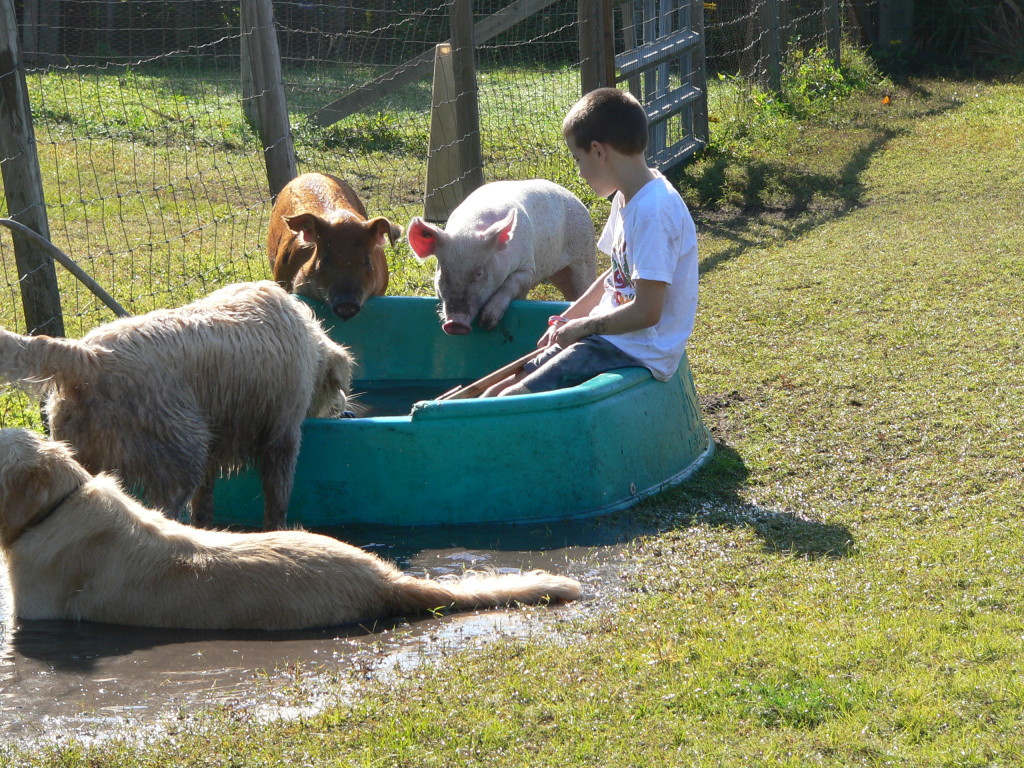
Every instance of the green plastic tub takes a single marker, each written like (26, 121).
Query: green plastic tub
(410, 460)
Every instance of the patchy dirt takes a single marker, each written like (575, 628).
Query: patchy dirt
(716, 409)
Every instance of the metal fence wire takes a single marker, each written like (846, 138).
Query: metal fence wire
(155, 182)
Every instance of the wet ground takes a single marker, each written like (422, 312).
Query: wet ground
(63, 679)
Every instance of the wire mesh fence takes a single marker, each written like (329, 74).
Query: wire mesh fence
(155, 182)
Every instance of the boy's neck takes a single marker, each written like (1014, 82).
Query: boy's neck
(632, 174)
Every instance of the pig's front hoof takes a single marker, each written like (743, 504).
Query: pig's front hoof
(453, 328)
(346, 310)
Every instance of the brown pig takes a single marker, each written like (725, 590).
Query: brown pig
(321, 245)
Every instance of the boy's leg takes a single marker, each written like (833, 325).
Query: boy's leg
(529, 367)
(496, 389)
(568, 367)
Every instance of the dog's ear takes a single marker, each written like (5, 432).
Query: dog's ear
(339, 370)
(35, 475)
(334, 380)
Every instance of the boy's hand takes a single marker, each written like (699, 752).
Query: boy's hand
(546, 339)
(643, 312)
(569, 332)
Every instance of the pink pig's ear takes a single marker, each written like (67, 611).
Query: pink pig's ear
(423, 238)
(303, 225)
(501, 232)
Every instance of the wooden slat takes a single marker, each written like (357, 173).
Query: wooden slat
(670, 156)
(412, 70)
(664, 107)
(650, 54)
(478, 387)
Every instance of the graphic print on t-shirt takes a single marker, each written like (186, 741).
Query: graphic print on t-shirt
(618, 283)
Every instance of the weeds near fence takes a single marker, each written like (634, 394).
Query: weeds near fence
(749, 123)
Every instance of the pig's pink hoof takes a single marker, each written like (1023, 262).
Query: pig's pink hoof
(455, 329)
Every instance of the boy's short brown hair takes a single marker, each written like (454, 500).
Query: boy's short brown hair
(610, 116)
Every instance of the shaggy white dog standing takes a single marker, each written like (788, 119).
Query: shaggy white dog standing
(78, 547)
(171, 399)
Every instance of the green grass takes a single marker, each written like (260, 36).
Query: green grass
(841, 586)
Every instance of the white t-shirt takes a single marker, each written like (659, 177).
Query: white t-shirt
(652, 238)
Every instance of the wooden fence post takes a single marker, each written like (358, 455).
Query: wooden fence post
(23, 186)
(833, 30)
(265, 101)
(454, 156)
(698, 66)
(597, 52)
(467, 109)
(770, 61)
(443, 169)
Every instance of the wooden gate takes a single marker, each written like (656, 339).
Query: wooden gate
(660, 56)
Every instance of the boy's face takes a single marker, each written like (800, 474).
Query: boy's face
(593, 166)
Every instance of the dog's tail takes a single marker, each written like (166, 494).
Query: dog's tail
(480, 590)
(37, 360)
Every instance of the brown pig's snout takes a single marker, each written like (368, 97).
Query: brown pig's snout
(345, 307)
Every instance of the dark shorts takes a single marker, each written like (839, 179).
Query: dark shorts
(557, 368)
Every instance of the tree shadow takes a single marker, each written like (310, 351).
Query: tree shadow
(776, 200)
(804, 201)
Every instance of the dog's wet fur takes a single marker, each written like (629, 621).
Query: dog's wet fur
(172, 399)
(78, 547)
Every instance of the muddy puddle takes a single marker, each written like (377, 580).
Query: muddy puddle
(91, 681)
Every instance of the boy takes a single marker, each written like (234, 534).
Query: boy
(641, 311)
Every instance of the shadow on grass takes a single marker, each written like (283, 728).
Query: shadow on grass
(712, 499)
(747, 202)
(782, 203)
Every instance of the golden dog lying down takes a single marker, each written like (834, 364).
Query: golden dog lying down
(78, 547)
(170, 399)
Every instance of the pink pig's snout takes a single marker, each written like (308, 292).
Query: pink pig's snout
(456, 324)
(455, 329)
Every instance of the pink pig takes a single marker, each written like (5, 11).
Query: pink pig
(503, 240)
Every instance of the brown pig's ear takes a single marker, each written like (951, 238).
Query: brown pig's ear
(379, 227)
(303, 225)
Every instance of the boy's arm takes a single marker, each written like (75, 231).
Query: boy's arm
(642, 312)
(591, 297)
(582, 307)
